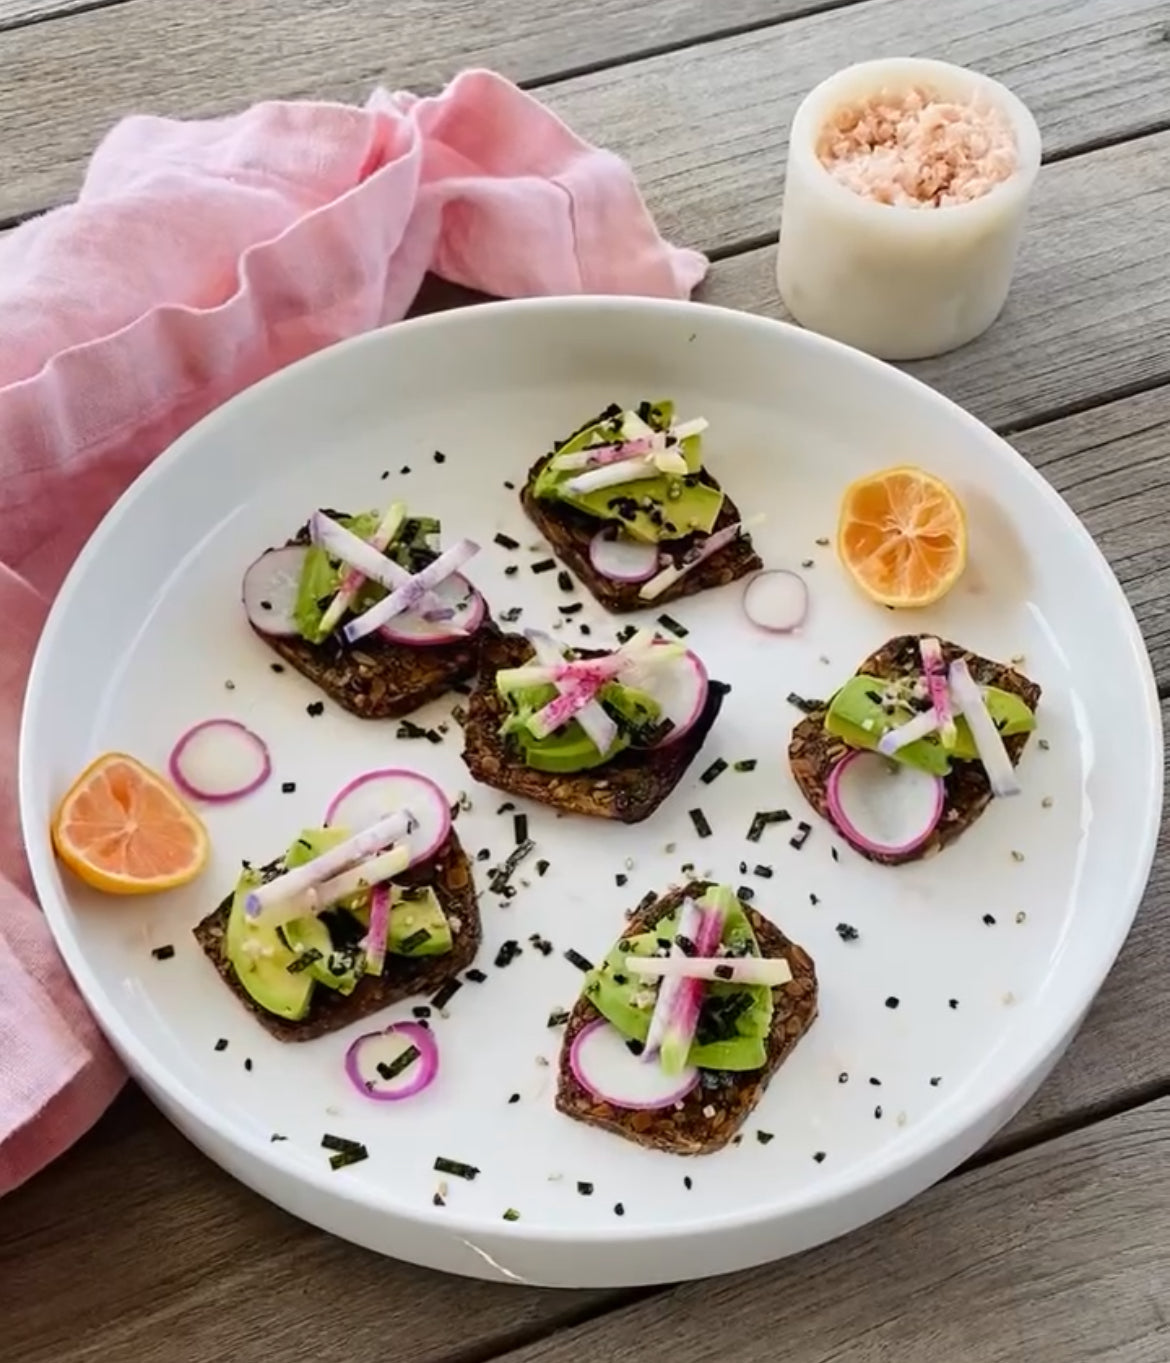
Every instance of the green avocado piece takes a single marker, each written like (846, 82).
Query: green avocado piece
(261, 959)
(321, 577)
(728, 1038)
(858, 715)
(336, 968)
(683, 505)
(418, 912)
(570, 748)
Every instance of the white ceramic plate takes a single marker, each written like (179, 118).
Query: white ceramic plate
(147, 635)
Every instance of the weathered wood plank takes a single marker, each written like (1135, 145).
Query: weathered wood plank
(1055, 1255)
(1089, 312)
(15, 12)
(157, 56)
(136, 1247)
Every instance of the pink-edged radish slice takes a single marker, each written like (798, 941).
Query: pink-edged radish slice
(882, 807)
(219, 760)
(619, 558)
(681, 688)
(395, 1064)
(603, 1064)
(375, 795)
(1001, 775)
(270, 590)
(776, 600)
(456, 613)
(377, 934)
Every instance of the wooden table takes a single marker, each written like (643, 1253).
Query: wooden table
(1052, 1245)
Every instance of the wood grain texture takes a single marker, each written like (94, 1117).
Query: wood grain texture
(135, 1249)
(1058, 1255)
(13, 13)
(157, 56)
(1089, 312)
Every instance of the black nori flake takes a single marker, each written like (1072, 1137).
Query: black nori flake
(455, 1168)
(288, 787)
(520, 824)
(843, 1077)
(762, 818)
(303, 961)
(407, 728)
(699, 819)
(315, 708)
(404, 470)
(265, 605)
(414, 941)
(892, 1001)
(506, 541)
(634, 1046)
(668, 622)
(475, 975)
(445, 993)
(514, 1098)
(438, 1200)
(716, 769)
(935, 1080)
(618, 1209)
(402, 1061)
(620, 879)
(507, 953)
(421, 1010)
(248, 1064)
(276, 1136)
(644, 903)
(511, 1214)
(509, 485)
(276, 667)
(626, 633)
(544, 565)
(384, 475)
(875, 1081)
(813, 900)
(440, 457)
(745, 893)
(558, 1017)
(952, 1003)
(725, 972)
(506, 808)
(163, 953)
(877, 1112)
(511, 570)
(834, 854)
(847, 932)
(498, 881)
(574, 957)
(801, 836)
(483, 854)
(511, 615)
(989, 919)
(819, 1156)
(330, 1142)
(573, 608)
(764, 1137)
(541, 867)
(586, 630)
(585, 1189)
(564, 581)
(222, 1044)
(745, 764)
(805, 706)
(347, 1157)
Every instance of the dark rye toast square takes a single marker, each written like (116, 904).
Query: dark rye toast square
(813, 753)
(689, 1130)
(570, 532)
(629, 788)
(449, 873)
(377, 678)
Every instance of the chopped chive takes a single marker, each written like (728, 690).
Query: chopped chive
(511, 570)
(222, 1044)
(303, 961)
(455, 1168)
(446, 992)
(745, 764)
(511, 615)
(343, 1158)
(620, 879)
(805, 706)
(541, 867)
(668, 622)
(507, 953)
(520, 823)
(475, 975)
(287, 787)
(573, 608)
(801, 836)
(329, 1142)
(498, 882)
(585, 1189)
(544, 565)
(699, 819)
(847, 932)
(414, 941)
(764, 1137)
(717, 768)
(558, 1017)
(163, 953)
(564, 581)
(764, 872)
(761, 820)
(421, 1010)
(402, 1061)
(506, 541)
(575, 958)
(511, 1214)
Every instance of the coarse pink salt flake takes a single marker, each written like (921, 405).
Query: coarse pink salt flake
(916, 150)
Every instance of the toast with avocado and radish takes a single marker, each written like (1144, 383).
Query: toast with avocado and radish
(317, 954)
(679, 1030)
(370, 610)
(952, 726)
(626, 502)
(604, 734)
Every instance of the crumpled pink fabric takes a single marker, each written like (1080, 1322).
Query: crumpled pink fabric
(199, 257)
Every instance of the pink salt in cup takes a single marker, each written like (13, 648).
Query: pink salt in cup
(904, 201)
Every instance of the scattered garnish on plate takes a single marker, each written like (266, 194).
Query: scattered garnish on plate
(125, 830)
(220, 760)
(902, 536)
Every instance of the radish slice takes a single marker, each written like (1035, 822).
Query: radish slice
(394, 1064)
(219, 760)
(411, 594)
(379, 929)
(994, 756)
(603, 1064)
(884, 807)
(894, 740)
(270, 590)
(375, 795)
(776, 600)
(680, 688)
(936, 682)
(457, 612)
(770, 971)
(620, 558)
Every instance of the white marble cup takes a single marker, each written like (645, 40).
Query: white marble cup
(900, 282)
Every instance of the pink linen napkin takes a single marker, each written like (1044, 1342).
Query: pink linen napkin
(199, 257)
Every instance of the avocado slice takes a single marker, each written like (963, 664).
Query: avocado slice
(678, 506)
(570, 749)
(858, 715)
(735, 1019)
(416, 913)
(261, 959)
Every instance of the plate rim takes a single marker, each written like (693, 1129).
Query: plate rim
(915, 1147)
